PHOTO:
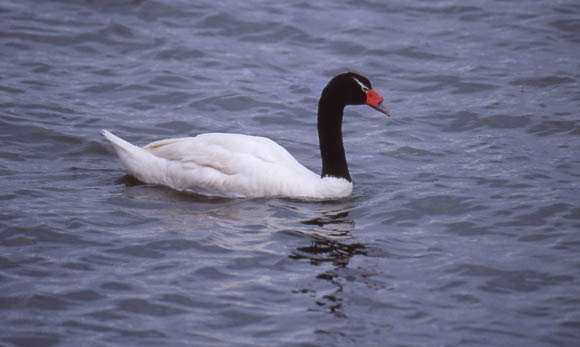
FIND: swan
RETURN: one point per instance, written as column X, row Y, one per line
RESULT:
column 236, row 165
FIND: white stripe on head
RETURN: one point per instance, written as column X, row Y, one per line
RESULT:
column 363, row 87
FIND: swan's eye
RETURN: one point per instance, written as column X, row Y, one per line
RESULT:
column 362, row 86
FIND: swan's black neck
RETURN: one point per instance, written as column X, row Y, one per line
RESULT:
column 330, row 112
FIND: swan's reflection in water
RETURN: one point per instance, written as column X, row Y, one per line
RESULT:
column 329, row 240
column 253, row 235
column 329, row 251
column 247, row 222
column 332, row 243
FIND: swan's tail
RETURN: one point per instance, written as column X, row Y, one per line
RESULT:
column 119, row 143
column 138, row 162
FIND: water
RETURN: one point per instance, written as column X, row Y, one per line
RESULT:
column 463, row 228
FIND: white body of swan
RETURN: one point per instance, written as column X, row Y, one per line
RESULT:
column 231, row 165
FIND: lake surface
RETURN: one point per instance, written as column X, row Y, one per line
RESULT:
column 463, row 228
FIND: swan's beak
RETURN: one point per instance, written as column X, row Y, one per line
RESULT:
column 375, row 100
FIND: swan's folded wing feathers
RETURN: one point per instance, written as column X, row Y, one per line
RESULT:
column 211, row 160
column 224, row 152
column 247, row 164
column 171, row 149
column 161, row 143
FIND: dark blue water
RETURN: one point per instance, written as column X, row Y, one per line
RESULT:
column 464, row 224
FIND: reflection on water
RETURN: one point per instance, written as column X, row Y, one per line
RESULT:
column 332, row 230
column 329, row 251
column 333, row 224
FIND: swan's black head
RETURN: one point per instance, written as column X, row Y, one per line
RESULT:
column 353, row 89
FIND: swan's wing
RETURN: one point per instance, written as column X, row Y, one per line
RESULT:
column 228, row 153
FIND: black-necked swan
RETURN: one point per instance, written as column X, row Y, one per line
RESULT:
column 236, row 165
